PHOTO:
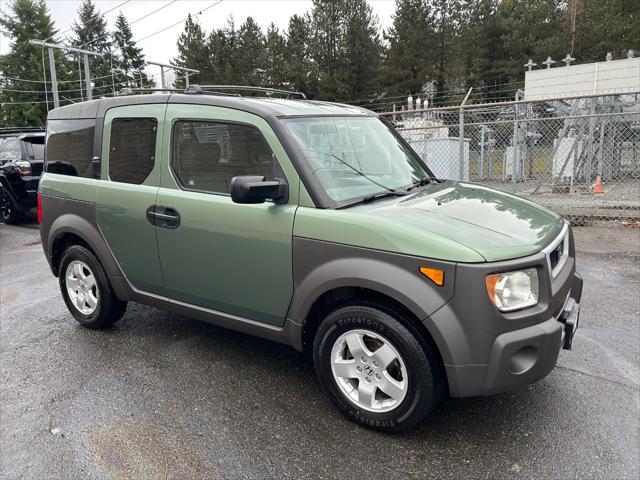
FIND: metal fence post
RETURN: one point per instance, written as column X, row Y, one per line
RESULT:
column 461, row 139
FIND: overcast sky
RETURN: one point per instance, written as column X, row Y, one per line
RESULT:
column 162, row 47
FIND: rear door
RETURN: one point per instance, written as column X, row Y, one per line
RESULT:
column 130, row 168
column 224, row 256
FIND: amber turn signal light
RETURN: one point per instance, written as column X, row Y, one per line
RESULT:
column 433, row 274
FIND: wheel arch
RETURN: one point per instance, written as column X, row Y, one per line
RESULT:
column 343, row 296
column 71, row 229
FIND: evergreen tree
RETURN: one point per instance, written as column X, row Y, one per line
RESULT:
column 23, row 103
column 250, row 54
column 328, row 27
column 274, row 62
column 362, row 50
column 410, row 39
column 443, row 57
column 130, row 57
column 90, row 33
column 192, row 53
column 222, row 45
column 603, row 26
column 299, row 65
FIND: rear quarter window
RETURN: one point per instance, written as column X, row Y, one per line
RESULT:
column 132, row 149
column 69, row 147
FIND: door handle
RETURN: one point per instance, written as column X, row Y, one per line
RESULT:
column 165, row 217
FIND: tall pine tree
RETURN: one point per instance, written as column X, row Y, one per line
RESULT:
column 90, row 33
column 23, row 102
column 327, row 47
column 222, row 44
column 274, row 60
column 299, row 64
column 130, row 57
column 192, row 53
column 250, row 54
column 362, row 51
column 410, row 38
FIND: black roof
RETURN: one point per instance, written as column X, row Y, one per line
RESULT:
column 261, row 106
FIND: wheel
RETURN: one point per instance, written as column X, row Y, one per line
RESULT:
column 8, row 210
column 86, row 289
column 375, row 370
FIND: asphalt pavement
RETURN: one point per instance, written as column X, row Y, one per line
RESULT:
column 163, row 396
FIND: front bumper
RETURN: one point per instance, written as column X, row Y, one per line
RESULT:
column 527, row 355
column 486, row 351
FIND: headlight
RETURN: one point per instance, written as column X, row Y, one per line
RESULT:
column 514, row 290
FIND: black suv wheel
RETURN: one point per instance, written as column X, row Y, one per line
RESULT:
column 375, row 369
column 8, row 211
column 86, row 289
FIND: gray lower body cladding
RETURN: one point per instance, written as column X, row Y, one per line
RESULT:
column 483, row 350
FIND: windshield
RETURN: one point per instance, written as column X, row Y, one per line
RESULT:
column 355, row 157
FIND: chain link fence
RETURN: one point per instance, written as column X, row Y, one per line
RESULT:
column 579, row 156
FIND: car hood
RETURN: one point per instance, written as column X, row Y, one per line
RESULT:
column 495, row 224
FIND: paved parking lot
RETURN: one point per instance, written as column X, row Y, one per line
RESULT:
column 161, row 396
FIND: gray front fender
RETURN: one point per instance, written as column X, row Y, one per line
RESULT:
column 320, row 267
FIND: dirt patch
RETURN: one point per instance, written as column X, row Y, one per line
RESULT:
column 130, row 448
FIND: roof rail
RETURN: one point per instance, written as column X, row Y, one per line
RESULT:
column 288, row 93
column 197, row 90
column 132, row 91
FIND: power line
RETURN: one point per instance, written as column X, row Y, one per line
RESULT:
column 131, row 23
column 179, row 22
column 106, row 12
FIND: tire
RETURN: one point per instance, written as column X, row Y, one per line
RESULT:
column 86, row 289
column 8, row 211
column 418, row 381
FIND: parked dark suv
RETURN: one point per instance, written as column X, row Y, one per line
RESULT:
column 21, row 162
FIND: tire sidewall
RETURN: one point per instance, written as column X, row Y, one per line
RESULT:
column 77, row 252
column 14, row 216
column 421, row 392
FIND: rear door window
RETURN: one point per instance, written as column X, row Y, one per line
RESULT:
column 69, row 147
column 132, row 149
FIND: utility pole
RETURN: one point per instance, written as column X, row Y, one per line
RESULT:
column 52, row 67
column 187, row 72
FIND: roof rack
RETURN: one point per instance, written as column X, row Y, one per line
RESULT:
column 215, row 90
column 288, row 93
column 197, row 90
column 132, row 91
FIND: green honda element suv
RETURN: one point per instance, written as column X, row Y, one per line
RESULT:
column 313, row 224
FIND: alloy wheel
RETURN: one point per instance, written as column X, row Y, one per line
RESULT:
column 81, row 287
column 369, row 370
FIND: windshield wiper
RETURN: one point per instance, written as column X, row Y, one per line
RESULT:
column 362, row 174
column 422, row 182
column 376, row 196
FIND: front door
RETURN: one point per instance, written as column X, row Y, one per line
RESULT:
column 132, row 145
column 215, row 253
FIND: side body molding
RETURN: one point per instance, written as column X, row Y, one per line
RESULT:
column 320, row 267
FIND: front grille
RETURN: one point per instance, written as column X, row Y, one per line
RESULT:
column 558, row 251
column 556, row 255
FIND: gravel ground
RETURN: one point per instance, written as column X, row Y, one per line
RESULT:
column 161, row 396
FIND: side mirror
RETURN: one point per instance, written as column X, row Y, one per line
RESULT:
column 255, row 189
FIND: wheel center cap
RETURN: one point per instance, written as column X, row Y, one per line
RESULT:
column 368, row 370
